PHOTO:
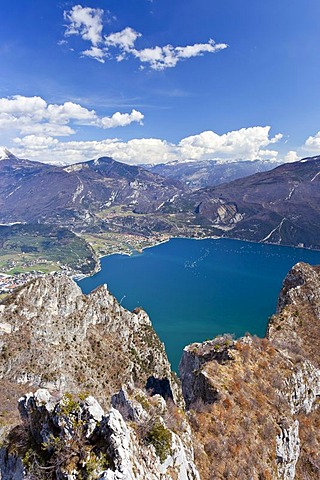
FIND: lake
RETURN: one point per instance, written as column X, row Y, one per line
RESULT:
column 196, row 289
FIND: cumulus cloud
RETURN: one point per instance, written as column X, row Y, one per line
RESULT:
column 124, row 40
column 121, row 119
column 136, row 151
column 36, row 142
column 291, row 156
column 244, row 144
column 312, row 143
column 33, row 115
column 88, row 24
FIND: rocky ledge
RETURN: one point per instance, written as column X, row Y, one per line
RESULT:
column 72, row 439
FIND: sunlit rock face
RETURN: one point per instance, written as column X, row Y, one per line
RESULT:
column 109, row 407
column 256, row 400
column 66, row 341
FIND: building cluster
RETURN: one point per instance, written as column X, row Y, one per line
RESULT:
column 9, row 282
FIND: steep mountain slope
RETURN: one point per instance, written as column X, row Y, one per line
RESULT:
column 210, row 172
column 281, row 206
column 103, row 200
column 35, row 192
column 54, row 336
column 256, row 401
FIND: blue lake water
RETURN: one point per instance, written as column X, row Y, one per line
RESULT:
column 196, row 289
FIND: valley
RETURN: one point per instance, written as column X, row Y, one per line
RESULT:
column 95, row 208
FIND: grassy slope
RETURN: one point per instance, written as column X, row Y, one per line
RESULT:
column 44, row 248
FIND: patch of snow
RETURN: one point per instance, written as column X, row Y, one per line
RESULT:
column 13, row 191
column 278, row 227
column 312, row 179
column 291, row 193
column 78, row 191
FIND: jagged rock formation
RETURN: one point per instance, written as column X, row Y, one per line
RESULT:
column 257, row 400
column 296, row 325
column 252, row 405
column 70, row 439
column 51, row 335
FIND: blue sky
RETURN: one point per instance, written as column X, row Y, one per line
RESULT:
column 156, row 81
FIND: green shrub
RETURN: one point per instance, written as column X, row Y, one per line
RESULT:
column 160, row 437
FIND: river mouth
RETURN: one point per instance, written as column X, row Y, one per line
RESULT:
column 194, row 290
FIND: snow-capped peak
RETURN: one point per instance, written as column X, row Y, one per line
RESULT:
column 5, row 154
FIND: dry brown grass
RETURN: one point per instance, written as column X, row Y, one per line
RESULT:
column 238, row 431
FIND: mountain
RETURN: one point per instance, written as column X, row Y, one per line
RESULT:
column 118, row 207
column 66, row 347
column 246, row 408
column 281, row 206
column 74, row 195
column 202, row 174
column 255, row 401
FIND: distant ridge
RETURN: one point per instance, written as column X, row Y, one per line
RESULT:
column 211, row 172
column 73, row 195
column 280, row 206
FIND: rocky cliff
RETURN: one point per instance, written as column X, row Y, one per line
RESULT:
column 254, row 403
column 53, row 336
column 74, row 346
column 103, row 403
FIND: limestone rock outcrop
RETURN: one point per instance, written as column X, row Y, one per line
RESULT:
column 109, row 406
column 257, row 400
column 71, row 439
column 58, row 338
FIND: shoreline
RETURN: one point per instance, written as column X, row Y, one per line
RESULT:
column 156, row 243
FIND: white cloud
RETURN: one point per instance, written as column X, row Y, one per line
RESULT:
column 46, row 128
column 136, row 151
column 36, row 142
column 22, row 105
column 291, row 156
column 199, row 48
column 312, row 143
column 68, row 111
column 32, row 115
column 243, row 144
column 97, row 53
column 124, row 40
column 160, row 58
column 268, row 154
column 87, row 23
column 121, row 119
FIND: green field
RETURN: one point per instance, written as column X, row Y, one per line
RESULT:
column 44, row 248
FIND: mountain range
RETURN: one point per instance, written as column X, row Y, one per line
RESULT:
column 206, row 173
column 33, row 191
column 278, row 206
column 111, row 200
